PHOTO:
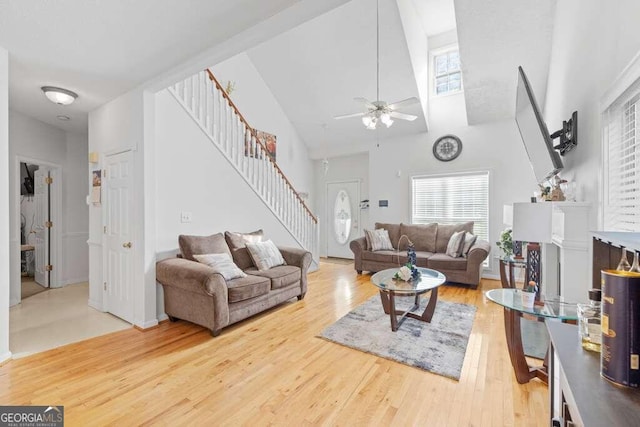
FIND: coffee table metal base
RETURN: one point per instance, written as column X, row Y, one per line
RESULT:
column 389, row 306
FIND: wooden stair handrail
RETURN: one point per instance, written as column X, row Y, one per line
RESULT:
column 262, row 146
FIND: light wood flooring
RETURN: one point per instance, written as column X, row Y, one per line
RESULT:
column 272, row 369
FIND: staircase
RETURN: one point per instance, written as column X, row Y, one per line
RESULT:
column 208, row 104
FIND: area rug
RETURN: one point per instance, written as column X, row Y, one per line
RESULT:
column 437, row 347
column 535, row 338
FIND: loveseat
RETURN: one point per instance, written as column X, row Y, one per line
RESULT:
column 197, row 293
column 430, row 242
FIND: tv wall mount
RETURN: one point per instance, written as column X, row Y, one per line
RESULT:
column 568, row 135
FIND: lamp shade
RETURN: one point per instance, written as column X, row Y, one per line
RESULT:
column 532, row 222
column 58, row 95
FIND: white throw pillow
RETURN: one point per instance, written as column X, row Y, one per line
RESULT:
column 222, row 264
column 469, row 240
column 378, row 240
column 456, row 242
column 265, row 255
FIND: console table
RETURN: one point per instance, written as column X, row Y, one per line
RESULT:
column 579, row 396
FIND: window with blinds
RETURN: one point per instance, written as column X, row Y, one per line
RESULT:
column 451, row 199
column 621, row 172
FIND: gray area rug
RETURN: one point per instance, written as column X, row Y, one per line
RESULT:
column 437, row 347
column 535, row 338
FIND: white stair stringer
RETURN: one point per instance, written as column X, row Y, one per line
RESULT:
column 214, row 113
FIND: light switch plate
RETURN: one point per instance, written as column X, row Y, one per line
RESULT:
column 185, row 217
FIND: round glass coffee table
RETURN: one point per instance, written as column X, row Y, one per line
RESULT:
column 429, row 280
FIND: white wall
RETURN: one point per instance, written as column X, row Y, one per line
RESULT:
column 260, row 108
column 4, row 207
column 45, row 144
column 495, row 147
column 193, row 176
column 118, row 126
column 586, row 57
column 75, row 209
column 345, row 168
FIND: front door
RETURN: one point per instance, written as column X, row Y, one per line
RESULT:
column 343, row 217
column 118, row 219
column 42, row 225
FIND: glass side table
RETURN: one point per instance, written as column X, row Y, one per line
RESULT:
column 507, row 270
column 511, row 300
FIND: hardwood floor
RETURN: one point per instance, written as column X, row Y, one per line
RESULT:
column 272, row 369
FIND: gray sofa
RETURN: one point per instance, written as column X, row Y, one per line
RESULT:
column 196, row 293
column 430, row 242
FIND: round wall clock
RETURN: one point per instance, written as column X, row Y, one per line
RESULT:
column 447, row 148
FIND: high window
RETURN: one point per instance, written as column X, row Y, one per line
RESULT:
column 621, row 151
column 452, row 199
column 448, row 78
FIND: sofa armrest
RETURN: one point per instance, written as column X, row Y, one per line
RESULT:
column 192, row 276
column 300, row 258
column 479, row 252
column 296, row 256
column 358, row 246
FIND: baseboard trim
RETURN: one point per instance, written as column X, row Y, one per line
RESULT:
column 490, row 276
column 94, row 304
column 13, row 301
column 5, row 357
column 75, row 281
column 163, row 317
column 145, row 326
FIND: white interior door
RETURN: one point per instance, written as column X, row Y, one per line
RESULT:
column 343, row 217
column 118, row 219
column 42, row 225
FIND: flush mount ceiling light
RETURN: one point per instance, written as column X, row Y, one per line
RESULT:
column 64, row 118
column 58, row 95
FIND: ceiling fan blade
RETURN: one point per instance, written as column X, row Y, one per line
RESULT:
column 402, row 116
column 347, row 116
column 366, row 102
column 404, row 103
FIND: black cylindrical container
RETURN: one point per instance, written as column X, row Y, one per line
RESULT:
column 620, row 356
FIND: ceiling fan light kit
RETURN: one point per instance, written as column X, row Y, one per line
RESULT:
column 379, row 111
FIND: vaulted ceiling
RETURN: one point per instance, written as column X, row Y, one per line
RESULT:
column 495, row 37
column 101, row 49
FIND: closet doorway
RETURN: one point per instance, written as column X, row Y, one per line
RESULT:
column 38, row 206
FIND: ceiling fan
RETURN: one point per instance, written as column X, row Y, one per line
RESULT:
column 381, row 111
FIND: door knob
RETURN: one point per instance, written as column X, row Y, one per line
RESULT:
column 126, row 245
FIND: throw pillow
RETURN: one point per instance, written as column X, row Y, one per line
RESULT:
column 456, row 242
column 379, row 240
column 469, row 240
column 237, row 244
column 222, row 264
column 265, row 255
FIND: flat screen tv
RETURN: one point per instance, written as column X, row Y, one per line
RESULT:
column 545, row 160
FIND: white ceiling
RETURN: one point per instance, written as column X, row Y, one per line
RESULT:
column 101, row 49
column 316, row 69
column 495, row 37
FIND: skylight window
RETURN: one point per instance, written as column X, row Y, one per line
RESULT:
column 448, row 77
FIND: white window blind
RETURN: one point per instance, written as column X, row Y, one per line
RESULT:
column 452, row 199
column 621, row 143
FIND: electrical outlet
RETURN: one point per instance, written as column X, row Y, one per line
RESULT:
column 185, row 217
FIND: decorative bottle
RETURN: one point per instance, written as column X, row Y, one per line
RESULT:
column 635, row 267
column 589, row 318
column 623, row 265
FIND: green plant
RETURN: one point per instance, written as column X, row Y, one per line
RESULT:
column 506, row 243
